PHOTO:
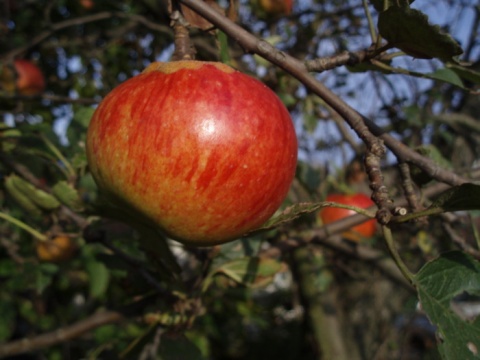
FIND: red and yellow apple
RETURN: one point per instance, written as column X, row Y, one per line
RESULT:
column 30, row 79
column 331, row 214
column 203, row 151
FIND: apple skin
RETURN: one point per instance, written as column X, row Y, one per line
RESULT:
column 330, row 214
column 30, row 79
column 203, row 151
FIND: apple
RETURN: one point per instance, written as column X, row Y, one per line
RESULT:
column 276, row 7
column 30, row 79
column 203, row 151
column 331, row 214
column 58, row 249
column 87, row 4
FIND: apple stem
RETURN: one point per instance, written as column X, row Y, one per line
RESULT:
column 387, row 234
column 37, row 235
column 183, row 47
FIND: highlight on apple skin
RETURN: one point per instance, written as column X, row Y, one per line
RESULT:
column 203, row 151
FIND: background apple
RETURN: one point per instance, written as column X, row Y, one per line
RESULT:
column 331, row 214
column 87, row 4
column 30, row 79
column 276, row 7
column 203, row 151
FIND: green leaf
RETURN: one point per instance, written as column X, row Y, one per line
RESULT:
column 438, row 283
column 45, row 273
column 8, row 137
column 458, row 198
column 409, row 30
column 446, row 75
column 67, row 195
column 83, row 115
column 99, row 278
column 39, row 197
column 161, row 255
column 433, row 153
column 289, row 214
column 178, row 347
column 224, row 50
column 24, row 201
column 244, row 247
column 465, row 73
column 7, row 314
column 134, row 349
column 248, row 271
column 7, row 267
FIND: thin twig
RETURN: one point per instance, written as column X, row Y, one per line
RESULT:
column 460, row 241
column 408, row 187
column 54, row 28
column 345, row 58
column 389, row 241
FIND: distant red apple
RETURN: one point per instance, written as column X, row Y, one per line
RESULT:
column 87, row 4
column 276, row 7
column 202, row 150
column 331, row 214
column 30, row 79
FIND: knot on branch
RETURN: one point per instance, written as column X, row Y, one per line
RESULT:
column 380, row 192
column 266, row 49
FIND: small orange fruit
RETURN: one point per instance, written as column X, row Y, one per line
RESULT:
column 58, row 249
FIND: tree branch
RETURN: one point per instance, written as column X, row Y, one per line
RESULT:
column 60, row 335
column 366, row 129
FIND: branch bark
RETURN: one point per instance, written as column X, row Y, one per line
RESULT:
column 60, row 335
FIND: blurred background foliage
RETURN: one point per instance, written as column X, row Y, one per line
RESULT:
column 257, row 297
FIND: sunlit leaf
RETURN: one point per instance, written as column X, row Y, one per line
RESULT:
column 249, row 271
